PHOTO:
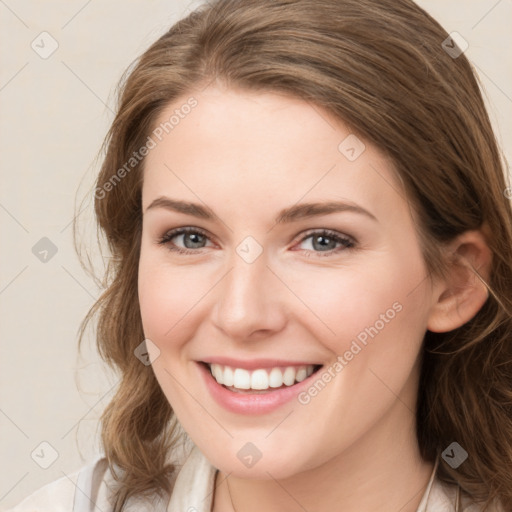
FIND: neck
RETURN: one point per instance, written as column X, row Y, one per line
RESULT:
column 383, row 466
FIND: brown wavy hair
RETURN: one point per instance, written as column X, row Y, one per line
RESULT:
column 380, row 67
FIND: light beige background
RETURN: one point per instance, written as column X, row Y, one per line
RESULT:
column 54, row 115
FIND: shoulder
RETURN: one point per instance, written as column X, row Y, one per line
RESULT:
column 70, row 492
column 91, row 489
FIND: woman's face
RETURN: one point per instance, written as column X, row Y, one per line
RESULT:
column 300, row 251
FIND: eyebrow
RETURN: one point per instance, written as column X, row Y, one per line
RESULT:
column 291, row 214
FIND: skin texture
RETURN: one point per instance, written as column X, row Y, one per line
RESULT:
column 246, row 156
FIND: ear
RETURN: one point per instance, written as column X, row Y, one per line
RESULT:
column 459, row 297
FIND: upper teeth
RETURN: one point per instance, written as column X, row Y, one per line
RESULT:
column 260, row 378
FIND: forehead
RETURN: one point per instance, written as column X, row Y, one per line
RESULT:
column 244, row 147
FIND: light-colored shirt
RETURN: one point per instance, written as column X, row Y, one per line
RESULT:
column 90, row 490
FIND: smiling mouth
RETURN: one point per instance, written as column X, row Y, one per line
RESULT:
column 260, row 380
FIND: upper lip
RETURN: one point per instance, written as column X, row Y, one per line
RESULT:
column 254, row 364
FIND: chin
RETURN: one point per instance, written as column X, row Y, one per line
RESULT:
column 271, row 464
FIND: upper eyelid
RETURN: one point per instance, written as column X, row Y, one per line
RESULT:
column 329, row 232
column 171, row 233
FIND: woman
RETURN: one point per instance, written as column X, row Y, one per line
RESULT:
column 311, row 277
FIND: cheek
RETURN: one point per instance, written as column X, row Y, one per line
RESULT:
column 378, row 299
column 379, row 320
column 166, row 295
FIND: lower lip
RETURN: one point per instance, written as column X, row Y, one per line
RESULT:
column 246, row 403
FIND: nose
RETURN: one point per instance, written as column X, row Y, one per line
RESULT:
column 250, row 301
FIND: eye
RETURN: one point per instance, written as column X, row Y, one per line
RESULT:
column 185, row 240
column 189, row 240
column 326, row 242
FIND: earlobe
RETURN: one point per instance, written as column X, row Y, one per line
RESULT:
column 464, row 291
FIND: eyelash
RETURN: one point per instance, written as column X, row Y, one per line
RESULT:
column 346, row 242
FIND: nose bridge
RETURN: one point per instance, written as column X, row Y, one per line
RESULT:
column 248, row 300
